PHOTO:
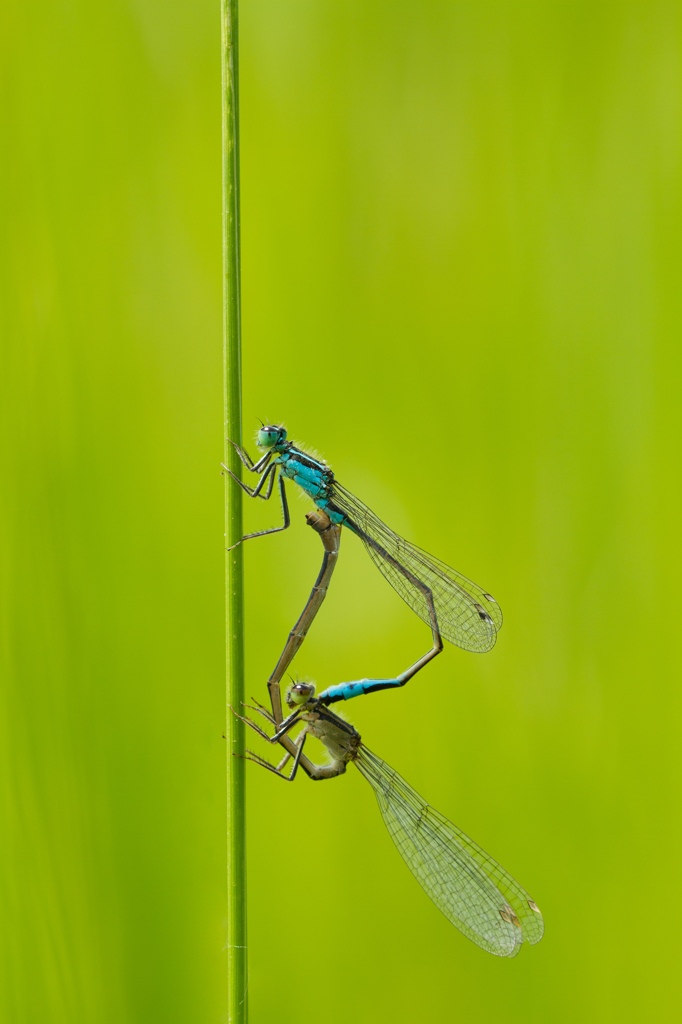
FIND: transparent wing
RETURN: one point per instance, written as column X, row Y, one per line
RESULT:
column 467, row 615
column 468, row 886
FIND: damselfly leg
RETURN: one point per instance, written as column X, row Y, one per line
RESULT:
column 268, row 475
column 253, row 493
column 311, row 771
column 253, row 467
column 296, row 744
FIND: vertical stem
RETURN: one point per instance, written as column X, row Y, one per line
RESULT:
column 236, row 860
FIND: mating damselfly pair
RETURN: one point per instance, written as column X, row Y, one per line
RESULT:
column 474, row 892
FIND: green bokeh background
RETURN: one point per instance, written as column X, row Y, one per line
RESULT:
column 461, row 261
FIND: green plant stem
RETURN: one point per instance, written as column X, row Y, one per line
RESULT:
column 234, row 573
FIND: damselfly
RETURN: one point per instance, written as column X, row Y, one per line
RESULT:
column 451, row 604
column 476, row 895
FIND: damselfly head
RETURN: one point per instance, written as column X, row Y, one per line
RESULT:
column 299, row 693
column 269, row 436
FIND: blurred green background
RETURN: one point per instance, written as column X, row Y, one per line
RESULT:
column 461, row 260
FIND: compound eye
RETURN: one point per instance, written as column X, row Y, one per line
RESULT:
column 301, row 692
column 267, row 436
